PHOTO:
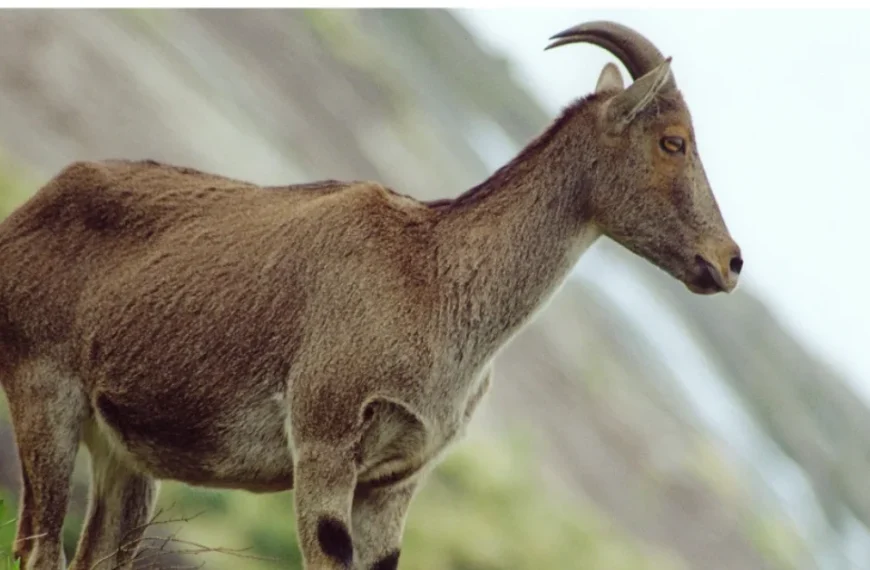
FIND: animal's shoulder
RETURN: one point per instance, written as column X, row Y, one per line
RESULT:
column 360, row 193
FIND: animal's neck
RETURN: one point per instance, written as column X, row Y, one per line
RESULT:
column 507, row 245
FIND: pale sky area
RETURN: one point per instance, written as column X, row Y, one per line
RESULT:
column 778, row 100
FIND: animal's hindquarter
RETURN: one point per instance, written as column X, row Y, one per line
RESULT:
column 187, row 368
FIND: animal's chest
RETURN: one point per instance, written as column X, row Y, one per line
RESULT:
column 451, row 412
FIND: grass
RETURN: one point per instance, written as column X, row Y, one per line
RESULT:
column 7, row 532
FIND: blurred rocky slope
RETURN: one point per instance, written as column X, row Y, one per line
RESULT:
column 410, row 99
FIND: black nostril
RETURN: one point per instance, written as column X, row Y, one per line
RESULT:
column 736, row 264
column 705, row 280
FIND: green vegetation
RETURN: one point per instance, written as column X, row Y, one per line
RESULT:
column 15, row 186
column 7, row 532
column 485, row 509
column 482, row 509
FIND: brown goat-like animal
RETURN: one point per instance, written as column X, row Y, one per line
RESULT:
column 334, row 337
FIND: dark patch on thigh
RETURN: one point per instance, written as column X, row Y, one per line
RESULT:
column 388, row 562
column 166, row 425
column 335, row 540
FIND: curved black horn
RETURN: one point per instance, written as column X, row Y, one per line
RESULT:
column 636, row 53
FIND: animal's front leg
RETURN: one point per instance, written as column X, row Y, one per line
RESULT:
column 325, row 480
column 378, row 522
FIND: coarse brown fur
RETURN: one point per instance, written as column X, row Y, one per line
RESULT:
column 333, row 337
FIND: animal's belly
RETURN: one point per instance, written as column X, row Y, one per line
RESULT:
column 241, row 448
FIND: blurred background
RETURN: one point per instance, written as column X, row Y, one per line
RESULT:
column 632, row 425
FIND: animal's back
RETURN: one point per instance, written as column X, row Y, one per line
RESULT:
column 101, row 229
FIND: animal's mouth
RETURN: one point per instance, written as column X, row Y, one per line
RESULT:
column 707, row 280
column 701, row 287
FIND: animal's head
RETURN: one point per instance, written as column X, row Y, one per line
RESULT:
column 653, row 197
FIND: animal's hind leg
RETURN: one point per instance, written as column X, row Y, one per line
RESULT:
column 47, row 413
column 120, row 504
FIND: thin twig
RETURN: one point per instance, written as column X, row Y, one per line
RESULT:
column 149, row 549
column 31, row 537
column 7, row 523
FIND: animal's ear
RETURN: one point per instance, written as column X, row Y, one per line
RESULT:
column 610, row 79
column 622, row 109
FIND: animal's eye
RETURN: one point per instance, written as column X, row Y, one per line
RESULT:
column 673, row 145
